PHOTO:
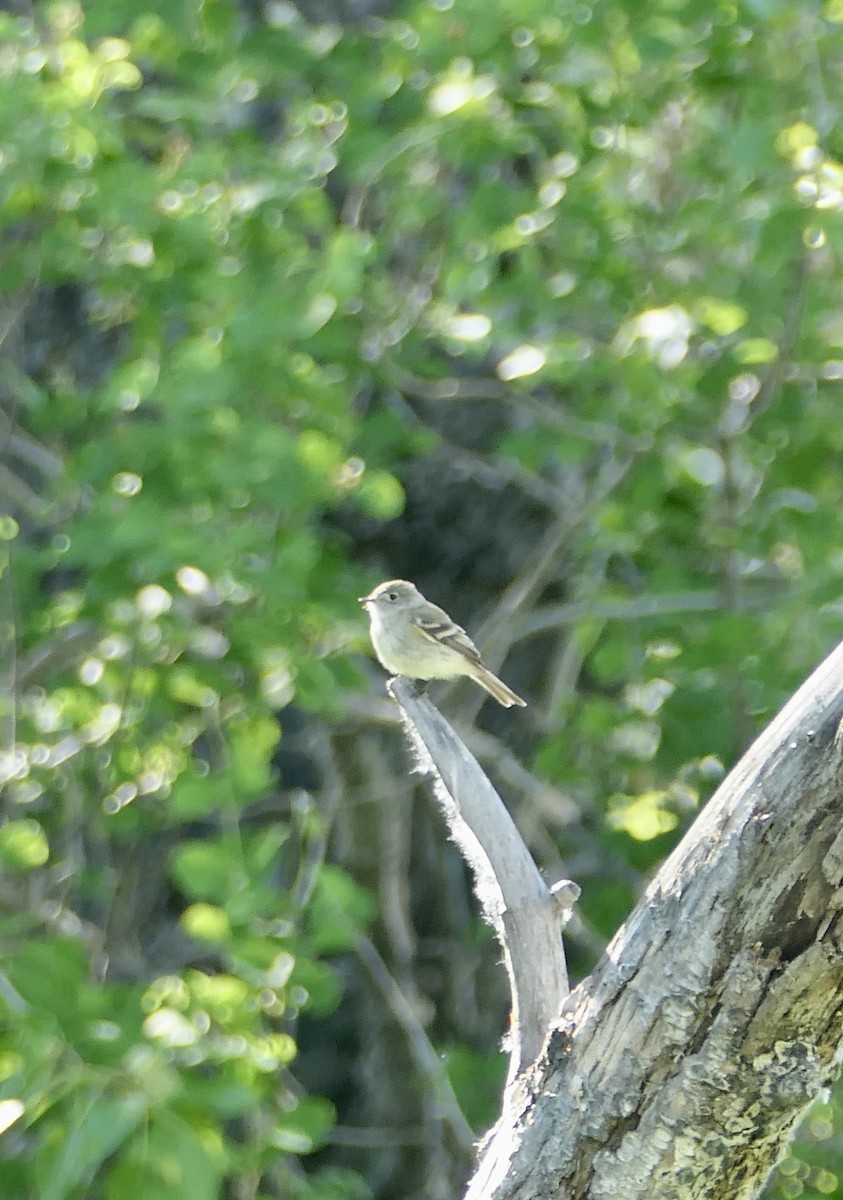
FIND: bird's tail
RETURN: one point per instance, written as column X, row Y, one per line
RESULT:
column 496, row 687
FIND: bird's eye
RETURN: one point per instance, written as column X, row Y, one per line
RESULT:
column 392, row 596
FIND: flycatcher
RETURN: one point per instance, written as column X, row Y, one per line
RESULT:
column 413, row 637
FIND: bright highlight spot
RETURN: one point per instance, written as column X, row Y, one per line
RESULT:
column 665, row 331
column 23, row 845
column 171, row 1028
column 10, row 1111
column 126, row 483
column 91, row 671
column 319, row 312
column 523, row 360
column 721, row 316
column 562, row 284
column 650, row 696
column 103, row 725
column 468, row 327
column 455, row 92
column 152, row 601
column 704, row 465
column 193, row 581
column 552, row 192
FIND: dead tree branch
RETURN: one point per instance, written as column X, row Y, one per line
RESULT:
column 527, row 915
column 682, row 1066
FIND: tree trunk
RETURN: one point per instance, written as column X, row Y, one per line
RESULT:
column 681, row 1067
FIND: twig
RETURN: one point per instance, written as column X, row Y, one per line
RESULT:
column 794, row 306
column 487, row 748
column 497, row 632
column 394, row 853
column 572, row 651
column 352, row 209
column 21, row 494
column 545, row 795
column 314, row 833
column 498, row 627
column 9, row 662
column 56, row 653
column 492, row 470
column 635, row 608
column 26, row 450
column 468, row 389
column 733, row 596
column 372, row 1138
column 424, row 1053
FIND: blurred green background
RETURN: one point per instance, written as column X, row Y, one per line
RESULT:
column 536, row 304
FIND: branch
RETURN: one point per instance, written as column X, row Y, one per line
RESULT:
column 497, row 632
column 527, row 915
column 547, row 412
column 423, row 1052
column 637, row 608
column 682, row 1066
column 53, row 654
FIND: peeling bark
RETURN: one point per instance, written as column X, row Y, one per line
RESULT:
column 680, row 1068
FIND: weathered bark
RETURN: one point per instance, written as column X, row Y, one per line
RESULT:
column 526, row 915
column 681, row 1067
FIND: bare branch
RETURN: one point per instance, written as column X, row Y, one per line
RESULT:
column 459, row 389
column 17, row 492
column 423, row 1052
column 546, row 797
column 636, row 608
column 56, row 653
column 527, row 916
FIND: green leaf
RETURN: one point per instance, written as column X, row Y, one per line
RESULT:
column 83, row 1135
column 50, row 973
column 381, row 495
column 206, row 923
column 339, row 912
column 208, row 870
column 305, row 1128
column 477, row 1080
column 23, row 845
column 643, row 817
column 173, row 1159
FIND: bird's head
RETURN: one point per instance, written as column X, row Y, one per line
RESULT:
column 389, row 593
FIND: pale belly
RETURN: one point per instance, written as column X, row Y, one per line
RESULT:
column 414, row 655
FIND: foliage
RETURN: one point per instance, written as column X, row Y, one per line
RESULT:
column 466, row 292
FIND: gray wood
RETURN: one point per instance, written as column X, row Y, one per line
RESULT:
column 680, row 1068
column 527, row 915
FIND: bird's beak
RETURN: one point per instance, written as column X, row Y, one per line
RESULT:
column 364, row 599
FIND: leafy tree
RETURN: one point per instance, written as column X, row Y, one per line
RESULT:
column 538, row 306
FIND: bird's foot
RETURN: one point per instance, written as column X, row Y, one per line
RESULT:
column 419, row 686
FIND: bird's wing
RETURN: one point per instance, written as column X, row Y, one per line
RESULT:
column 441, row 629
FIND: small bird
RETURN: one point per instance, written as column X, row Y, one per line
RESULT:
column 413, row 637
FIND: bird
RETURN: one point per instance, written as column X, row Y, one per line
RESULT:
column 416, row 638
